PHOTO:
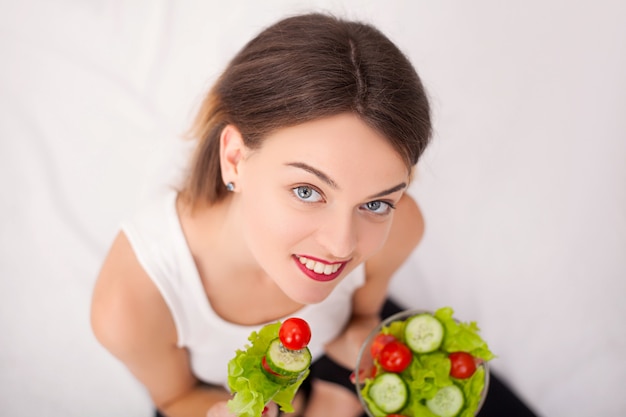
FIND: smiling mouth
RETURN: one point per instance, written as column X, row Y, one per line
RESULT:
column 319, row 271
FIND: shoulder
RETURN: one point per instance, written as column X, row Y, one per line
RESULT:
column 127, row 309
column 408, row 226
column 407, row 230
column 132, row 321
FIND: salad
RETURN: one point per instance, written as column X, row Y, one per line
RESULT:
column 425, row 365
column 271, row 368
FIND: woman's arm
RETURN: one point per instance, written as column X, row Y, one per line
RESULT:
column 131, row 320
column 406, row 231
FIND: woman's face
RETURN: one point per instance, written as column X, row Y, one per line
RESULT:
column 316, row 200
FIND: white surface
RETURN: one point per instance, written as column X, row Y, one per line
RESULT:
column 523, row 189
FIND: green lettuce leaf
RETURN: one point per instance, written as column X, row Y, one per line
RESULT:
column 371, row 405
column 462, row 336
column 472, row 389
column 251, row 388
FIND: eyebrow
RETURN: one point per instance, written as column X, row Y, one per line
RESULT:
column 319, row 174
column 322, row 176
column 391, row 190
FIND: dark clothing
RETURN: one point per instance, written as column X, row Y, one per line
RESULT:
column 501, row 401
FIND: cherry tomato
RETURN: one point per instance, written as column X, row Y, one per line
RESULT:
column 294, row 333
column 380, row 340
column 462, row 365
column 395, row 356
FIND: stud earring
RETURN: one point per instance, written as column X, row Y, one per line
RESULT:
column 230, row 186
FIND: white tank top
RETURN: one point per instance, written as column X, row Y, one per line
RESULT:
column 157, row 239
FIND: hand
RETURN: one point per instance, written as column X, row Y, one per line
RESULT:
column 365, row 366
column 220, row 409
column 271, row 410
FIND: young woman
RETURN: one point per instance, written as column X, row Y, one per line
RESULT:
column 295, row 205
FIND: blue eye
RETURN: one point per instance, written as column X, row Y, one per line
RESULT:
column 307, row 194
column 378, row 207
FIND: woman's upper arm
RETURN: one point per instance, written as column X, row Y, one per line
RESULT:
column 406, row 232
column 131, row 320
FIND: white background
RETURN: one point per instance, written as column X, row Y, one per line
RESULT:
column 523, row 188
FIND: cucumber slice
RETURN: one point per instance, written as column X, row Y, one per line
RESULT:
column 275, row 377
column 287, row 362
column 423, row 333
column 389, row 392
column 447, row 402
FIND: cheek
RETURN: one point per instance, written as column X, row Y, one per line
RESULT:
column 372, row 237
column 272, row 224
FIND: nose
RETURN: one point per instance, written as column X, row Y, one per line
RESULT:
column 339, row 235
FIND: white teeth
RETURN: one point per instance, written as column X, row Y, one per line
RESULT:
column 319, row 267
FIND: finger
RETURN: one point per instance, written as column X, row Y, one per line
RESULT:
column 219, row 410
column 270, row 410
column 363, row 375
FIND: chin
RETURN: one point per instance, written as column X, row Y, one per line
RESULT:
column 302, row 296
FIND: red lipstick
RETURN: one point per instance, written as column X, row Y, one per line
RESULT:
column 314, row 275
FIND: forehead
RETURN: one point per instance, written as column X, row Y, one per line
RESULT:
column 342, row 146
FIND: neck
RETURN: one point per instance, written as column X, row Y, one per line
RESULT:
column 216, row 241
column 237, row 288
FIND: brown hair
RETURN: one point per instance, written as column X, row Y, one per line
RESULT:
column 304, row 68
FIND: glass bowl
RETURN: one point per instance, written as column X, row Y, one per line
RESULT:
column 365, row 364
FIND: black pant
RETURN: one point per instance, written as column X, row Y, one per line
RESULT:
column 501, row 400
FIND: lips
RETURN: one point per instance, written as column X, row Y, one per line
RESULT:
column 318, row 270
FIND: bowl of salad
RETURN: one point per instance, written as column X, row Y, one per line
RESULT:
column 418, row 363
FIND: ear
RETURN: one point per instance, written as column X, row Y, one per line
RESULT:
column 232, row 151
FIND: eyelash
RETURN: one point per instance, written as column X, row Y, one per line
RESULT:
column 296, row 193
column 389, row 205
